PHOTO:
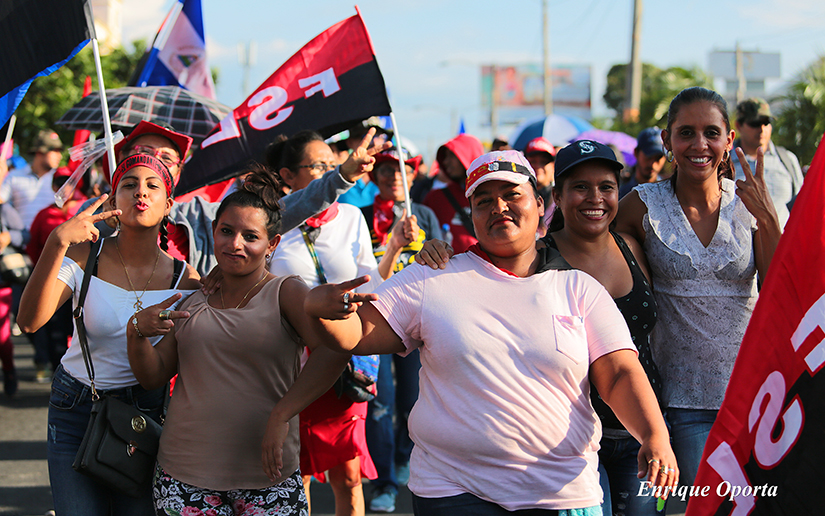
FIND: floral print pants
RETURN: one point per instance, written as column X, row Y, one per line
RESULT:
column 174, row 498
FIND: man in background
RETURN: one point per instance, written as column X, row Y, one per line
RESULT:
column 783, row 175
column 650, row 160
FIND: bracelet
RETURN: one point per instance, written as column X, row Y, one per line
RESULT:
column 134, row 323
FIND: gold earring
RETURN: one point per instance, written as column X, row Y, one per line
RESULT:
column 669, row 156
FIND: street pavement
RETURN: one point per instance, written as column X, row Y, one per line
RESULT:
column 24, row 475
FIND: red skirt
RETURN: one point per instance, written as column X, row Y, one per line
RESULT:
column 333, row 431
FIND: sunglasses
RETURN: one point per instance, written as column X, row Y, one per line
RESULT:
column 166, row 158
column 758, row 123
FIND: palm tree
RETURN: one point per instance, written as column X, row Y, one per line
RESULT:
column 800, row 123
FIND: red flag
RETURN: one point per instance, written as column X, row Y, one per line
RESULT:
column 81, row 135
column 766, row 451
column 329, row 85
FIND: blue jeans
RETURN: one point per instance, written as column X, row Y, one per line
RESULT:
column 469, row 505
column 618, row 466
column 69, row 407
column 387, row 436
column 689, row 429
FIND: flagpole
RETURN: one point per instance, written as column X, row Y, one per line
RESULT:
column 402, row 165
column 160, row 42
column 104, row 105
column 12, row 121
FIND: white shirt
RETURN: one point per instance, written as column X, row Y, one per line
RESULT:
column 27, row 193
column 107, row 312
column 344, row 248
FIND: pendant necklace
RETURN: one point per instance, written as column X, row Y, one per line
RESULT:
column 138, row 303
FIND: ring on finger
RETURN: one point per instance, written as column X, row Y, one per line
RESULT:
column 652, row 461
column 165, row 314
column 346, row 300
column 671, row 470
column 663, row 470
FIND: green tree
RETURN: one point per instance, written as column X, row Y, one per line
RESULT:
column 658, row 89
column 800, row 123
column 49, row 97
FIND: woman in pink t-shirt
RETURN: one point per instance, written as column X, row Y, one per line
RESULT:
column 503, row 421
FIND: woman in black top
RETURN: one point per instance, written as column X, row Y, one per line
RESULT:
column 586, row 196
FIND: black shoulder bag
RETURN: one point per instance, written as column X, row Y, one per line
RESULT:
column 120, row 446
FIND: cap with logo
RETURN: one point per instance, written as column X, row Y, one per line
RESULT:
column 753, row 110
column 508, row 165
column 649, row 141
column 581, row 151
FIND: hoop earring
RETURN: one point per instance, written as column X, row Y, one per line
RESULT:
column 117, row 228
column 726, row 156
column 669, row 156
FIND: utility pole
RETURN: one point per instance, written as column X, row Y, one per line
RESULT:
column 548, row 72
column 246, row 56
column 494, row 103
column 740, row 75
column 634, row 70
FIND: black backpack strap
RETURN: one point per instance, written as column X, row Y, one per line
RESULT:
column 91, row 264
column 465, row 219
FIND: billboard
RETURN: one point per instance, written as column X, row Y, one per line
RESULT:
column 518, row 90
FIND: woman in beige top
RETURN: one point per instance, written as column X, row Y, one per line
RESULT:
column 230, row 439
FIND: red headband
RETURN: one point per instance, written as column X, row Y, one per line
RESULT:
column 143, row 160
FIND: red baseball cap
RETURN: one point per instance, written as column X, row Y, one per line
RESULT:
column 392, row 155
column 540, row 144
column 181, row 141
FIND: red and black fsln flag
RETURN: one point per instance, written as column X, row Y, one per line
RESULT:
column 329, row 85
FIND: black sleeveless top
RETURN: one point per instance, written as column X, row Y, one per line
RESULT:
column 639, row 310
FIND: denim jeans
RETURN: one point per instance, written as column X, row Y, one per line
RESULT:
column 618, row 467
column 689, row 429
column 387, row 436
column 69, row 407
column 470, row 505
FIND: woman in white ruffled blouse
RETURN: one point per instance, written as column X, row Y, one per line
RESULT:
column 706, row 238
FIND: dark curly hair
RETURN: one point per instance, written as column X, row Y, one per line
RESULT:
column 261, row 189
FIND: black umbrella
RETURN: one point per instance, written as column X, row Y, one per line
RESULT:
column 187, row 112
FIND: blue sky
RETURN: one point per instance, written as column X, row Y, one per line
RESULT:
column 430, row 51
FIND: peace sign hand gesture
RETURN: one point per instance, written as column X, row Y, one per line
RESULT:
column 361, row 160
column 81, row 227
column 753, row 191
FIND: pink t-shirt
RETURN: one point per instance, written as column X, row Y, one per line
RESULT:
column 504, row 407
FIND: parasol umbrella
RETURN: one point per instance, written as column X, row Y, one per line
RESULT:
column 559, row 129
column 621, row 141
column 187, row 112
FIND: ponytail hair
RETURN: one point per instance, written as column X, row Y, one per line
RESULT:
column 262, row 189
column 164, row 233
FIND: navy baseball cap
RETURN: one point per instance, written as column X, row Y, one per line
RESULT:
column 581, row 151
column 649, row 141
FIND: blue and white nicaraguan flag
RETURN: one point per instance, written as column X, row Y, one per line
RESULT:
column 178, row 54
